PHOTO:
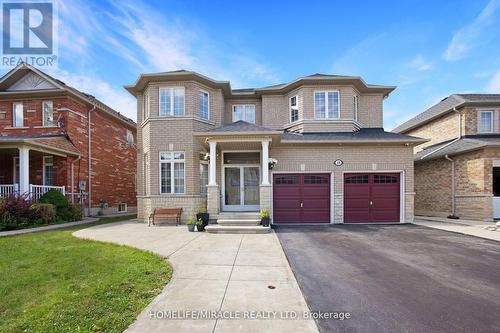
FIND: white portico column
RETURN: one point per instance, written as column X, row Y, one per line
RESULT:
column 212, row 187
column 24, row 170
column 265, row 163
column 265, row 186
column 212, row 163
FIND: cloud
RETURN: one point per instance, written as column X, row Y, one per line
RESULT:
column 420, row 64
column 140, row 39
column 119, row 100
column 494, row 84
column 469, row 35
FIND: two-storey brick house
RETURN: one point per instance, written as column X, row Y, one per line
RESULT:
column 457, row 172
column 54, row 136
column 309, row 151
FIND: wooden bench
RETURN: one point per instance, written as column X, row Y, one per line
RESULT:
column 165, row 212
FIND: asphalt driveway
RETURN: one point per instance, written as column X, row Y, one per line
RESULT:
column 403, row 278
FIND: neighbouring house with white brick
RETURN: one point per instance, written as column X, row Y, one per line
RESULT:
column 309, row 151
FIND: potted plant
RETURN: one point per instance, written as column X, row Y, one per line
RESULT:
column 191, row 223
column 199, row 225
column 264, row 218
column 203, row 215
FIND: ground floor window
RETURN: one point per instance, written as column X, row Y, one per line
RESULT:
column 48, row 170
column 203, row 177
column 122, row 207
column 172, row 172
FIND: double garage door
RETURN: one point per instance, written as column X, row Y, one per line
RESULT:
column 305, row 198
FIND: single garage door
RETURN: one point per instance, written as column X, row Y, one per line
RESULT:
column 371, row 197
column 301, row 198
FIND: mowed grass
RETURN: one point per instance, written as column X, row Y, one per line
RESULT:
column 54, row 282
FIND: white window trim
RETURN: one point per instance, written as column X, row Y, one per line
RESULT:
column 172, row 113
column 14, row 124
column 208, row 104
column 325, row 92
column 45, row 157
column 172, row 174
column 244, row 105
column 492, row 112
column 44, row 123
column 296, row 107
column 124, row 205
column 127, row 136
column 355, row 106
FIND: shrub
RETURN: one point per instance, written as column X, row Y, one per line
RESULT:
column 76, row 212
column 264, row 214
column 61, row 203
column 46, row 212
column 15, row 213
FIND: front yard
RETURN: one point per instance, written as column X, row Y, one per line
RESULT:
column 53, row 282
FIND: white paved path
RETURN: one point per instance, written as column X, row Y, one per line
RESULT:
column 219, row 272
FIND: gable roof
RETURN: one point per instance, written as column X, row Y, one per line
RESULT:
column 457, row 146
column 183, row 75
column 9, row 84
column 447, row 105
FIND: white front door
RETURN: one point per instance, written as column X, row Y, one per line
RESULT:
column 241, row 188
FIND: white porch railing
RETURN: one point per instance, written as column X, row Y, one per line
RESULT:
column 8, row 189
column 36, row 191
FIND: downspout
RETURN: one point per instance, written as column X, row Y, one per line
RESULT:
column 453, row 210
column 89, row 156
column 73, row 179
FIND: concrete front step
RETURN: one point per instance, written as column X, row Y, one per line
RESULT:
column 238, row 222
column 237, row 229
column 237, row 216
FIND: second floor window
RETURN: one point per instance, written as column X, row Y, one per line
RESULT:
column 48, row 114
column 17, row 115
column 171, row 101
column 129, row 136
column 245, row 112
column 294, row 109
column 203, row 104
column 485, row 121
column 326, row 105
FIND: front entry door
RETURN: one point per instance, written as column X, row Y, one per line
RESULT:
column 241, row 192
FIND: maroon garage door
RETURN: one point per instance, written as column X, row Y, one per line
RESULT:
column 371, row 197
column 301, row 198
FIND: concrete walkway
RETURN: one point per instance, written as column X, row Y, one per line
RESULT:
column 486, row 230
column 226, row 273
column 48, row 227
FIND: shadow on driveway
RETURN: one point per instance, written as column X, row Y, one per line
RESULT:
column 398, row 278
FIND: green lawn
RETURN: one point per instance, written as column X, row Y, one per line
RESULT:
column 53, row 282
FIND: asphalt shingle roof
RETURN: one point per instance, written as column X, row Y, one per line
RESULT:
column 241, row 126
column 364, row 134
column 454, row 147
column 445, row 106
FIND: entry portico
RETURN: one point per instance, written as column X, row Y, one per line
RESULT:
column 240, row 151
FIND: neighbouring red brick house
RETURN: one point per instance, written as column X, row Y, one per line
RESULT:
column 45, row 143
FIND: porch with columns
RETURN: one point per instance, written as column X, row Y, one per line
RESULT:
column 32, row 171
column 214, row 188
